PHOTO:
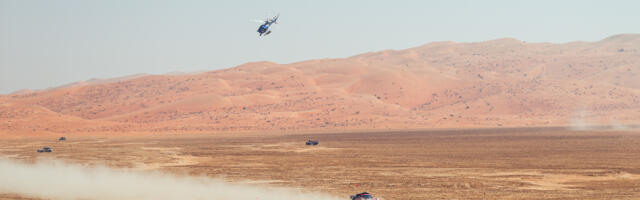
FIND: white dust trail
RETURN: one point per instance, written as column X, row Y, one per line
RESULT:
column 52, row 179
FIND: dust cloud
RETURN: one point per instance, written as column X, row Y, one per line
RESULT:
column 583, row 120
column 52, row 179
column 578, row 121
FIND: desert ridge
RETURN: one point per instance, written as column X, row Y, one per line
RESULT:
column 497, row 83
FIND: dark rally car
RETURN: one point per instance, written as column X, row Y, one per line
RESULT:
column 363, row 196
column 312, row 142
column 44, row 149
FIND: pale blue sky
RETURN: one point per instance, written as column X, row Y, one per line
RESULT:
column 46, row 43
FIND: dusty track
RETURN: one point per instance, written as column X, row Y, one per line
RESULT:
column 527, row 163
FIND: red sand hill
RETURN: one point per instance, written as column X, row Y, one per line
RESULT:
column 502, row 82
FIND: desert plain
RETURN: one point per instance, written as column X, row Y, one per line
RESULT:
column 503, row 163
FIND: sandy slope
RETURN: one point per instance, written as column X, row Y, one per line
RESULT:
column 502, row 82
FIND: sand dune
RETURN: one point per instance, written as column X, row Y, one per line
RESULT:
column 504, row 82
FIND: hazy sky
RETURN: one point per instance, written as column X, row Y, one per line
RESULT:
column 45, row 43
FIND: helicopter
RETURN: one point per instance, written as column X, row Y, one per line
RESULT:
column 264, row 28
